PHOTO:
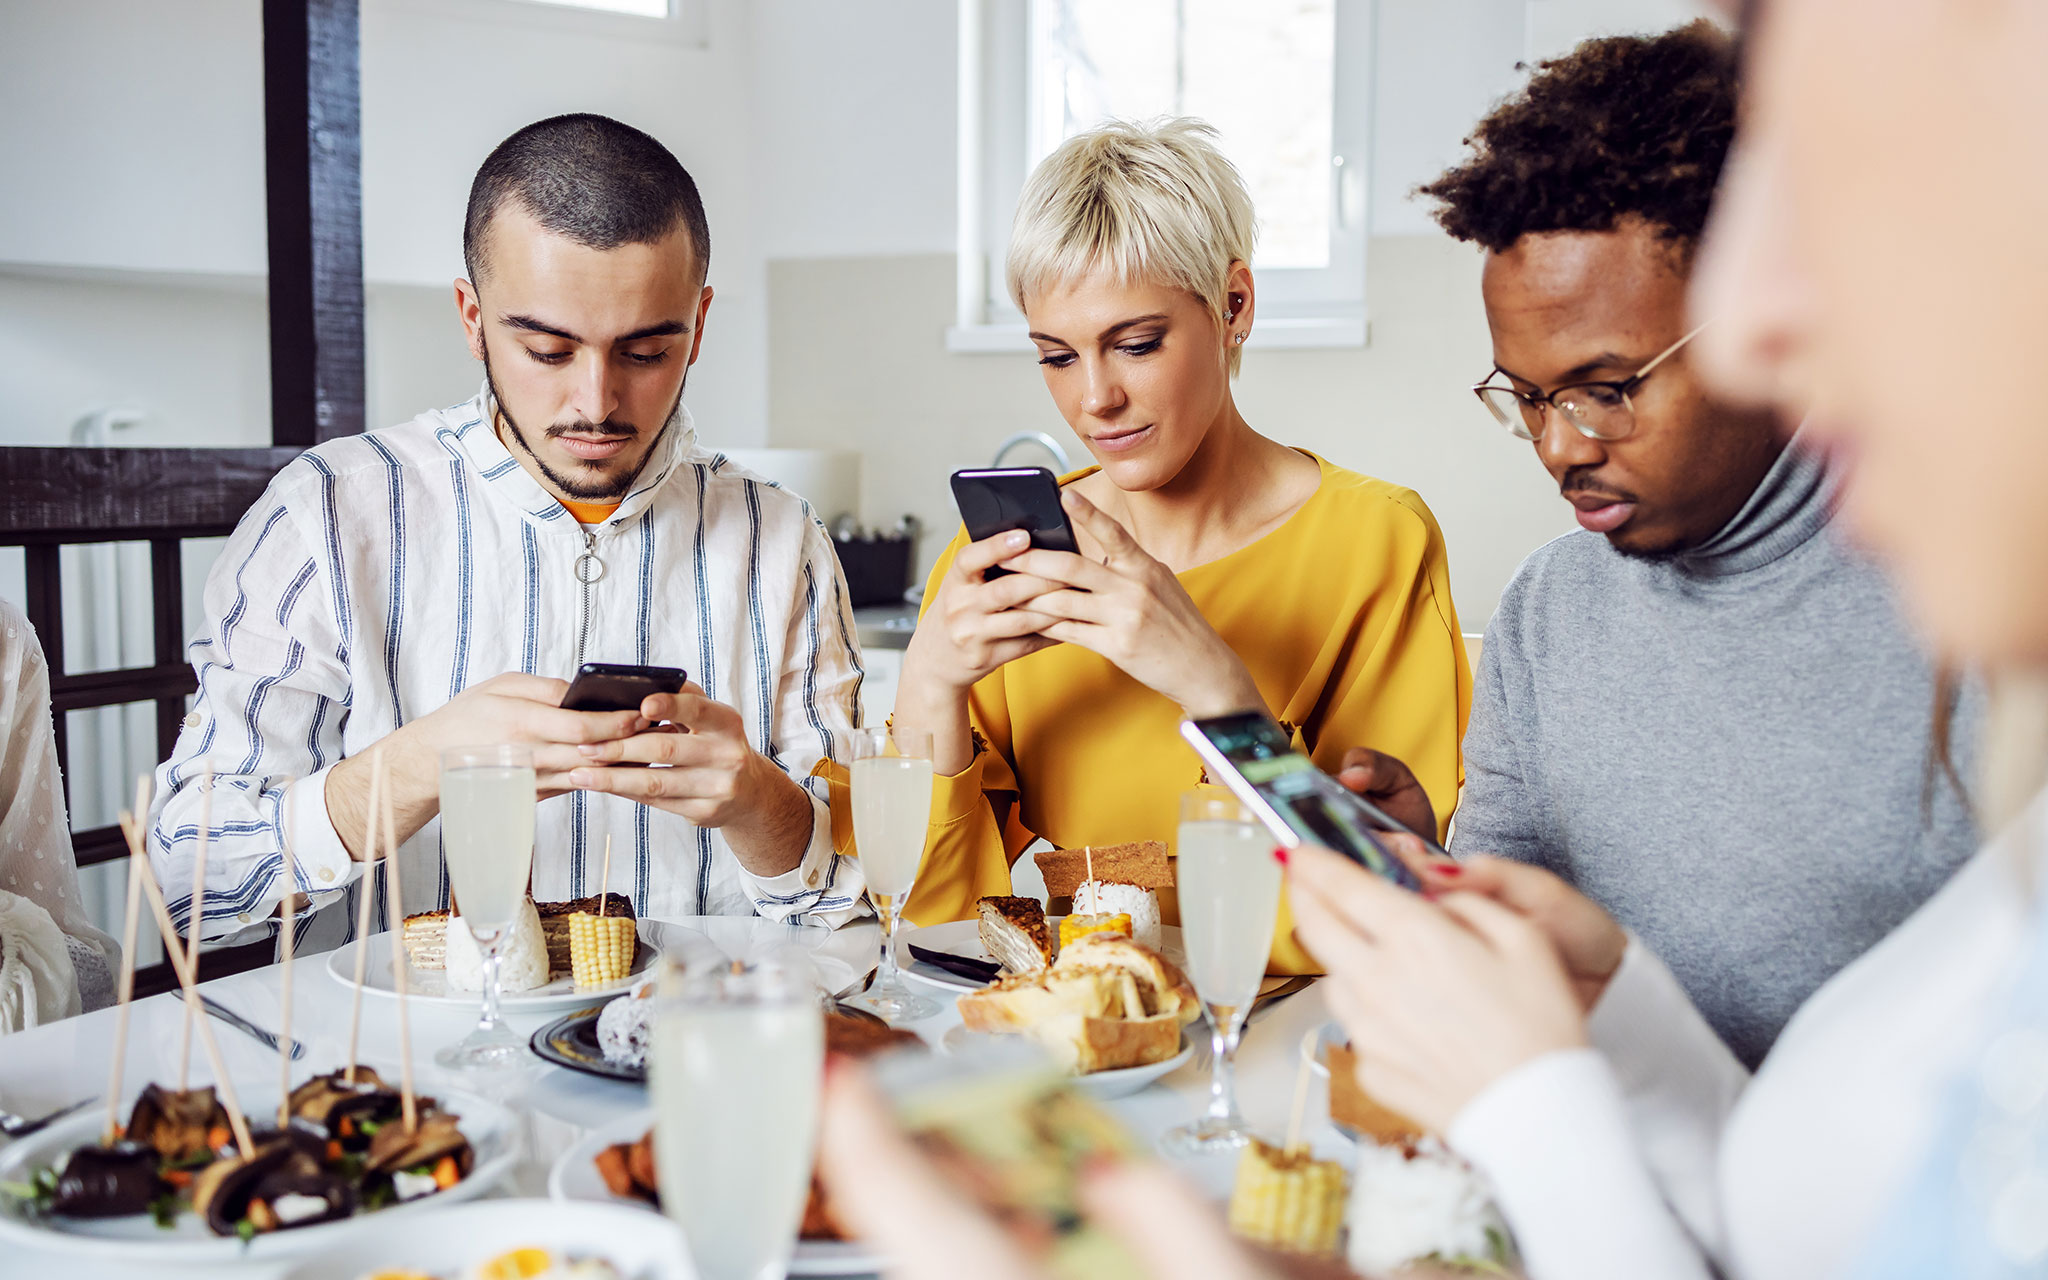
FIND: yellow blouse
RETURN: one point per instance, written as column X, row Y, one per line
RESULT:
column 1344, row 617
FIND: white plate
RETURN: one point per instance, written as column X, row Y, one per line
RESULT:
column 575, row 1179
column 1102, row 1085
column 493, row 1134
column 963, row 938
column 643, row 1246
column 430, row 986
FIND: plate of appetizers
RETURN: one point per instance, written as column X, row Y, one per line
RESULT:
column 966, row 940
column 1102, row 1084
column 177, row 1188
column 510, row 1238
column 1112, row 888
column 621, row 1155
column 536, row 969
column 1109, row 1011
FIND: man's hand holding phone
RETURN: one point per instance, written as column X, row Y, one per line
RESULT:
column 713, row 777
column 511, row 708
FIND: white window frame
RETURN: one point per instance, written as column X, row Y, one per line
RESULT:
column 687, row 24
column 1298, row 307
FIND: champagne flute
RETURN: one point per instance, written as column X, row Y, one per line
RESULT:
column 487, row 800
column 1229, row 888
column 736, row 1075
column 891, row 771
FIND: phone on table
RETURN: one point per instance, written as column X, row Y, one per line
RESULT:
column 1251, row 754
column 619, row 686
column 1000, row 499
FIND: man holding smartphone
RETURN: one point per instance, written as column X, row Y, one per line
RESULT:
column 1664, row 697
column 429, row 586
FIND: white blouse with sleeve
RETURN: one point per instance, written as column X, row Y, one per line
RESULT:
column 1649, row 1159
column 35, row 840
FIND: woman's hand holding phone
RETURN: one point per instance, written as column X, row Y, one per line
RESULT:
column 1441, row 997
column 981, row 623
column 1133, row 611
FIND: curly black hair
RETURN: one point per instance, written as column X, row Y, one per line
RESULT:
column 1620, row 126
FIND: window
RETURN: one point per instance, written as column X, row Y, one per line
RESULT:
column 1285, row 83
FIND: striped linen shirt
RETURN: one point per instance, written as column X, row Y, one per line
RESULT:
column 379, row 575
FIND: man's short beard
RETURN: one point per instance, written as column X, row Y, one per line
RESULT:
column 603, row 490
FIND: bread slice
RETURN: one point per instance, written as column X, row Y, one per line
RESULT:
column 1015, row 932
column 1140, row 862
column 1160, row 983
column 1106, row 1003
column 426, row 940
column 1022, row 1001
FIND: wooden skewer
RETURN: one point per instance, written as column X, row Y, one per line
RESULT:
column 198, row 918
column 394, row 920
column 606, row 883
column 1088, row 856
column 126, row 992
column 183, row 966
column 284, row 1040
column 365, row 889
column 1300, row 1097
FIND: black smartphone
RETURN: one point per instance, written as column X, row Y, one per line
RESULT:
column 618, row 686
column 1000, row 499
column 1252, row 755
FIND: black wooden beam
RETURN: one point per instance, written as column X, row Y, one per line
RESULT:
column 61, row 495
column 313, row 147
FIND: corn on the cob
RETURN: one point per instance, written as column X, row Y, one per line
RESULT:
column 1072, row 927
column 1288, row 1200
column 600, row 948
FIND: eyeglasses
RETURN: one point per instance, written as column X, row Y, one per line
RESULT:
column 1596, row 410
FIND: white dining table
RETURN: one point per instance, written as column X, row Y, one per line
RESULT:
column 50, row 1066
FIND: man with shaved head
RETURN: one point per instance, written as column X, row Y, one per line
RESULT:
column 1666, row 699
column 436, row 584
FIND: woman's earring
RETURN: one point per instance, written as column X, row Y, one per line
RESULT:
column 1240, row 339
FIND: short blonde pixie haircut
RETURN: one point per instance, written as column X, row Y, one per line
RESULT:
column 1154, row 201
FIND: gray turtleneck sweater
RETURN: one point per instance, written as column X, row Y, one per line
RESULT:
column 1728, row 750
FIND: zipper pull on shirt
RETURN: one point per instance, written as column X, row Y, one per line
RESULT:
column 589, row 569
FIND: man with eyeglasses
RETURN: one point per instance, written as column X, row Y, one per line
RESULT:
column 1702, row 710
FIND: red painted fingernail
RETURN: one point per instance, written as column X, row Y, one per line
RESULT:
column 1447, row 869
column 1280, row 855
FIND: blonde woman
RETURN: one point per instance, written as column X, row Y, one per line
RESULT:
column 1220, row 569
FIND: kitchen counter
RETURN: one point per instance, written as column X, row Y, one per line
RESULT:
column 885, row 626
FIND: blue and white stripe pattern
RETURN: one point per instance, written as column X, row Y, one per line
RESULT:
column 380, row 575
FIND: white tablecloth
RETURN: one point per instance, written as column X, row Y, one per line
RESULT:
column 50, row 1066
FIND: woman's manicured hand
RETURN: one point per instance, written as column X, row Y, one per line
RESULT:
column 1441, row 998
column 1588, row 941
column 1132, row 610
column 976, row 624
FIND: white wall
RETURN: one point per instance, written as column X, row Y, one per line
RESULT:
column 134, row 143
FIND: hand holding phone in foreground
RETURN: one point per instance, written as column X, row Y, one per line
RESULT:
column 927, row 1207
column 1441, row 997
